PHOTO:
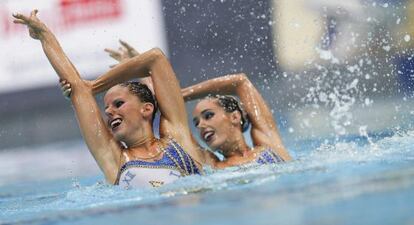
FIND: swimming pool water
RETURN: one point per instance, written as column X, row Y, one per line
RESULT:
column 340, row 182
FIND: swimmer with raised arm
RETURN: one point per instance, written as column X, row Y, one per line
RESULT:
column 221, row 121
column 124, row 145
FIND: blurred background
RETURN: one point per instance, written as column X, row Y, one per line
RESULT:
column 328, row 69
column 338, row 76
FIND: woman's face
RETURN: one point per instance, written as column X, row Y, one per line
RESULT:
column 213, row 123
column 124, row 113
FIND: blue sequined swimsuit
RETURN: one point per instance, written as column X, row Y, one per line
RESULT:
column 174, row 163
column 268, row 156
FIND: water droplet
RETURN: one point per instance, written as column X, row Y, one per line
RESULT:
column 407, row 38
column 368, row 101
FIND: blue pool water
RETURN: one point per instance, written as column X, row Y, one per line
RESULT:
column 350, row 181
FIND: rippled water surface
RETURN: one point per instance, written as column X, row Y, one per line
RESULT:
column 343, row 182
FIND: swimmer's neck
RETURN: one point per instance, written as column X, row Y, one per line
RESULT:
column 141, row 138
column 237, row 148
column 143, row 142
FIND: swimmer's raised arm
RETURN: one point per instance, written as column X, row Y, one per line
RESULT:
column 125, row 52
column 167, row 90
column 130, row 68
column 54, row 52
column 100, row 142
column 264, row 131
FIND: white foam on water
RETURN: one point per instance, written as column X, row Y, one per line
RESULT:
column 313, row 177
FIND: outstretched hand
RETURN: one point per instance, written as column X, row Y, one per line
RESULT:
column 123, row 53
column 36, row 27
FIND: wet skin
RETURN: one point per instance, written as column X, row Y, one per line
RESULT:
column 126, row 114
column 217, row 128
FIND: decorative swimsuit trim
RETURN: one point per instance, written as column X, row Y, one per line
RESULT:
column 189, row 160
column 181, row 157
column 276, row 158
column 177, row 166
column 185, row 158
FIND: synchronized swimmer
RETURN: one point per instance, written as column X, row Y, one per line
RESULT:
column 221, row 121
column 124, row 145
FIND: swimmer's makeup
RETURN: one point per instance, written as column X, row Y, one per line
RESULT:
column 205, row 114
column 196, row 121
column 117, row 103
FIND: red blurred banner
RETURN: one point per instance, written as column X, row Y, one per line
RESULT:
column 83, row 27
column 84, row 11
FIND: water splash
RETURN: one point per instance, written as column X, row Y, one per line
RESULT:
column 315, row 176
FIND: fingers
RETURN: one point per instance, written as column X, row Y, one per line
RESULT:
column 108, row 50
column 66, row 93
column 112, row 53
column 19, row 21
column 126, row 45
column 66, row 89
column 131, row 51
column 31, row 20
column 64, row 84
column 20, row 18
column 62, row 81
column 34, row 12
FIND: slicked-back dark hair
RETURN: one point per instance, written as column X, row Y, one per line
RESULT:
column 143, row 93
column 230, row 104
